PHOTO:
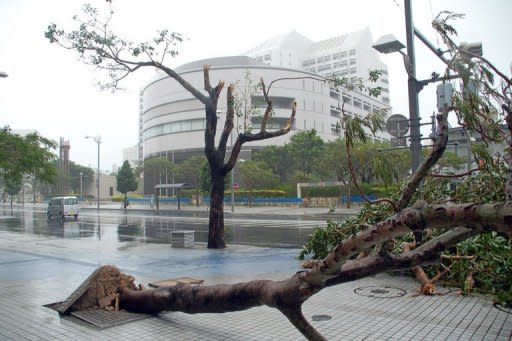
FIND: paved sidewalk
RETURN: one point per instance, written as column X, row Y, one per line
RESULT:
column 38, row 270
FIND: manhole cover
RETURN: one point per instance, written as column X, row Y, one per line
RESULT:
column 380, row 292
column 321, row 317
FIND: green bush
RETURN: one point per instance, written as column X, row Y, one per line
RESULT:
column 260, row 193
column 337, row 191
column 117, row 198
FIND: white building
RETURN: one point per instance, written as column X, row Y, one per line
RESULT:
column 350, row 55
column 172, row 121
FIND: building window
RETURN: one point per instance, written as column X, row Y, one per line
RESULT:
column 273, row 123
column 334, row 94
column 308, row 62
column 267, row 58
column 353, row 70
column 335, row 111
column 353, row 61
column 175, row 127
column 335, row 129
column 352, row 52
column 324, row 68
column 357, row 103
column 277, row 102
column 323, row 59
column 339, row 55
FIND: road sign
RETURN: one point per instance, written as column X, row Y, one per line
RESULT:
column 236, row 185
column 397, row 125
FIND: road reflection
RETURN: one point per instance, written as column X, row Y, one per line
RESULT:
column 121, row 228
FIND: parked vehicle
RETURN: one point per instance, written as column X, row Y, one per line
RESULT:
column 61, row 207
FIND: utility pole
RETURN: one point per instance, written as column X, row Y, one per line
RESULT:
column 414, row 117
column 97, row 139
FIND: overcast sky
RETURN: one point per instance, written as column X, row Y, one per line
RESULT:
column 50, row 91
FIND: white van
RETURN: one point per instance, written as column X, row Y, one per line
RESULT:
column 62, row 207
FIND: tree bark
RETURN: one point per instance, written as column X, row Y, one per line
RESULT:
column 216, row 219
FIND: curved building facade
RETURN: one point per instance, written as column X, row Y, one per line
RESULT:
column 172, row 121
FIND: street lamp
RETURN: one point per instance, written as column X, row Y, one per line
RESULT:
column 97, row 139
column 389, row 44
column 3, row 74
column 81, row 175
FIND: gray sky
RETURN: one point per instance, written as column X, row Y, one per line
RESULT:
column 50, row 91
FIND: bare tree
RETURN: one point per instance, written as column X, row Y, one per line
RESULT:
column 455, row 221
column 106, row 51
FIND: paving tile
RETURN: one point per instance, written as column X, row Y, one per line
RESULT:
column 53, row 268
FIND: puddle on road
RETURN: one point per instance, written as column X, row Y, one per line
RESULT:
column 149, row 229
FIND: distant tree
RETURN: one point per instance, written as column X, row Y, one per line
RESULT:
column 256, row 174
column 13, row 184
column 450, row 162
column 126, row 181
column 373, row 165
column 74, row 176
column 29, row 156
column 306, row 148
column 158, row 170
column 190, row 170
column 278, row 158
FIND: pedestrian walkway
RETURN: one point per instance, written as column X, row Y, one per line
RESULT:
column 265, row 212
column 37, row 270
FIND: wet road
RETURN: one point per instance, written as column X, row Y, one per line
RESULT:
column 117, row 227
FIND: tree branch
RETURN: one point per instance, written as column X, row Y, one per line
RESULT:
column 422, row 171
column 425, row 254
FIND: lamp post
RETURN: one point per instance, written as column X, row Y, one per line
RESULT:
column 3, row 74
column 389, row 44
column 81, row 188
column 97, row 139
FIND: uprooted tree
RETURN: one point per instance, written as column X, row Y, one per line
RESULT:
column 97, row 45
column 454, row 221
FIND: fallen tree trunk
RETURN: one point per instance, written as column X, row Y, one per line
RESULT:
column 341, row 265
